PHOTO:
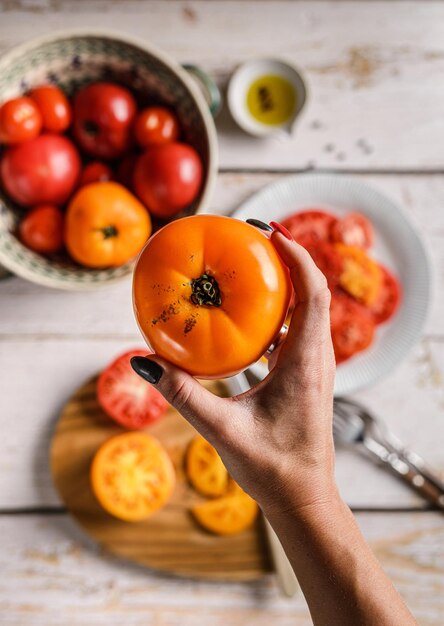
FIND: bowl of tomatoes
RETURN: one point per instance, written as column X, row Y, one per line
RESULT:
column 103, row 140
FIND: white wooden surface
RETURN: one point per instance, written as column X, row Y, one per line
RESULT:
column 375, row 73
column 52, row 576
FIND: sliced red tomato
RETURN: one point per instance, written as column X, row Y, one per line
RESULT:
column 388, row 299
column 342, row 304
column 328, row 260
column 310, row 226
column 353, row 230
column 354, row 334
column 125, row 397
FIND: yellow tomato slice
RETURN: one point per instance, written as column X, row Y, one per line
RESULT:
column 132, row 476
column 361, row 277
column 205, row 469
column 227, row 515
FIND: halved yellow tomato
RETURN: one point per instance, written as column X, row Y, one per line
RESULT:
column 205, row 469
column 132, row 476
column 227, row 515
column 210, row 294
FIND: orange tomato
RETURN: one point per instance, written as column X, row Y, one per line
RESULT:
column 361, row 277
column 132, row 476
column 210, row 294
column 106, row 225
column 228, row 515
column 205, row 469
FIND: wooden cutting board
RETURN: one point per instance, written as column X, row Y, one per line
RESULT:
column 171, row 540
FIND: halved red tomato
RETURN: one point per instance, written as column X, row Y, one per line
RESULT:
column 310, row 226
column 388, row 299
column 354, row 229
column 125, row 397
column 328, row 260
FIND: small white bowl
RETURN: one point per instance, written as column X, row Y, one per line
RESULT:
column 240, row 83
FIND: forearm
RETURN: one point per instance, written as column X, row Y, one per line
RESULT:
column 342, row 581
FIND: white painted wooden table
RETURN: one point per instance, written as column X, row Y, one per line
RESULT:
column 375, row 73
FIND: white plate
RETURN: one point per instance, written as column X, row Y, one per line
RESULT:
column 397, row 245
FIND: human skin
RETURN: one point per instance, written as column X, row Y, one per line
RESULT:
column 276, row 441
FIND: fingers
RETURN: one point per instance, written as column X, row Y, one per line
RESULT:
column 200, row 407
column 310, row 323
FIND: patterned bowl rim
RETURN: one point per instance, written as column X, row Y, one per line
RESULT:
column 199, row 100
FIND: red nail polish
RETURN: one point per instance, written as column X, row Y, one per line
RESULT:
column 281, row 229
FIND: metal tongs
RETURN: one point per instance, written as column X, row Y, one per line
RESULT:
column 352, row 423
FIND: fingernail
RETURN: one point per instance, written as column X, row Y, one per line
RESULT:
column 259, row 224
column 281, row 229
column 149, row 370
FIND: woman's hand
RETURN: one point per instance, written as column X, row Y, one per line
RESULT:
column 276, row 442
column 276, row 439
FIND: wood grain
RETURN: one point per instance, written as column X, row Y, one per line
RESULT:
column 372, row 69
column 53, row 575
column 170, row 540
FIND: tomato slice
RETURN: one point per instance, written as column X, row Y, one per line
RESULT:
column 205, row 469
column 228, row 515
column 361, row 277
column 125, row 397
column 132, row 476
column 310, row 226
column 388, row 299
column 328, row 260
column 352, row 326
column 342, row 304
column 353, row 230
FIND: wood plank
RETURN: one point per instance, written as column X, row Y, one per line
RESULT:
column 52, row 341
column 375, row 95
column 38, row 378
column 53, row 576
column 108, row 312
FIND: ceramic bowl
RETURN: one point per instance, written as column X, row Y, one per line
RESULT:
column 240, row 83
column 72, row 59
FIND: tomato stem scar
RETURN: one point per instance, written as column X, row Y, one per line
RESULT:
column 206, row 291
column 109, row 231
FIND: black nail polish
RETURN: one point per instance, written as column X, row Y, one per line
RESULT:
column 149, row 370
column 259, row 224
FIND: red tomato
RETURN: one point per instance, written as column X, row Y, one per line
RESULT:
column 95, row 172
column 328, row 260
column 310, row 226
column 125, row 397
column 168, row 178
column 388, row 299
column 352, row 326
column 342, row 304
column 54, row 107
column 353, row 230
column 156, row 125
column 20, row 120
column 42, row 228
column 103, row 115
column 44, row 170
column 125, row 170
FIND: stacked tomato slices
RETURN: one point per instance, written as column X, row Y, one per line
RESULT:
column 364, row 292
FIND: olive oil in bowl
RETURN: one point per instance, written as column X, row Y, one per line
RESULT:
column 266, row 96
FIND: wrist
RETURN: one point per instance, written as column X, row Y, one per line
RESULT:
column 302, row 493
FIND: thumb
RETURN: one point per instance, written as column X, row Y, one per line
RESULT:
column 200, row 407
